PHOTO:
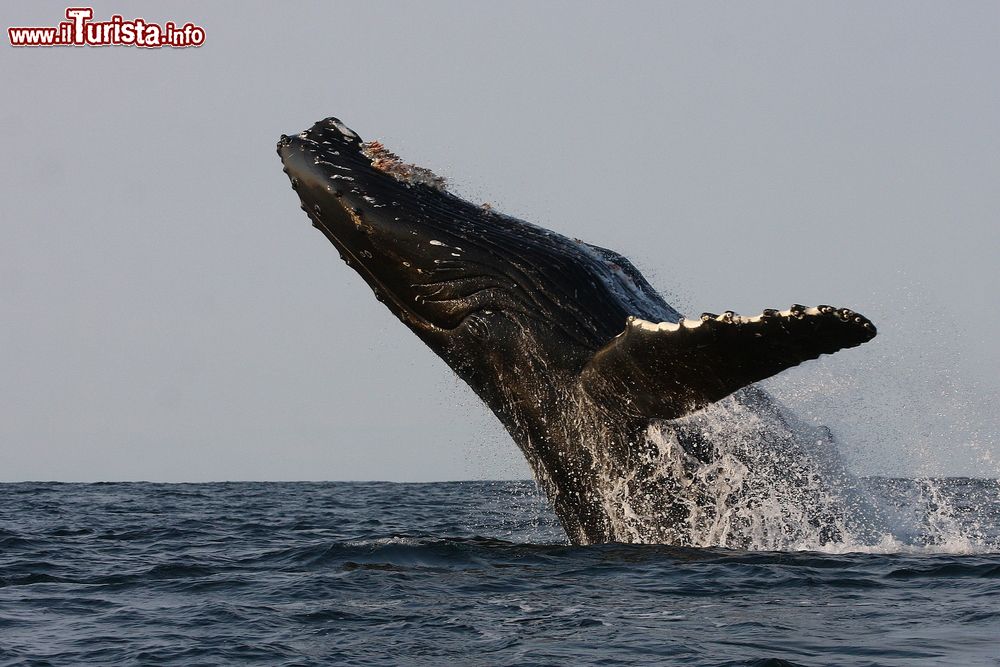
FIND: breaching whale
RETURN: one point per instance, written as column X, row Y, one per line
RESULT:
column 566, row 342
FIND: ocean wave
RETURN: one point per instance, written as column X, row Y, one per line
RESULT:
column 373, row 574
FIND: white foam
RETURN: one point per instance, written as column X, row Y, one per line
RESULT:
column 774, row 484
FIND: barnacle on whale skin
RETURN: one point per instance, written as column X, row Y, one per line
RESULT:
column 388, row 162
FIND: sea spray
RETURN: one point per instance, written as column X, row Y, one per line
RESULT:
column 755, row 478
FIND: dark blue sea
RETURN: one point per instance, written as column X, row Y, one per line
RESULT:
column 467, row 573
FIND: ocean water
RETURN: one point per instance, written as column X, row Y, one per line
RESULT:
column 470, row 573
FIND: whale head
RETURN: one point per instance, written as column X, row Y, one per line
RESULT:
column 460, row 275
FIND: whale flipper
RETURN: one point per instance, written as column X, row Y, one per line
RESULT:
column 668, row 370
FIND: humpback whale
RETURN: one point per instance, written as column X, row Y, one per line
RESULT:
column 566, row 342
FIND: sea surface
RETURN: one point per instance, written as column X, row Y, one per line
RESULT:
column 467, row 573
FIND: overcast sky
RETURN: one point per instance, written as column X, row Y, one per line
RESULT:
column 168, row 313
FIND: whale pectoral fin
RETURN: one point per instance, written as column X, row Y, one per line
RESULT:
column 668, row 370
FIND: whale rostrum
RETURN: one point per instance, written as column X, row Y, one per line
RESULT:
column 566, row 342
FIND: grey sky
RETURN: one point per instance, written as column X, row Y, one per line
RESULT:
column 169, row 314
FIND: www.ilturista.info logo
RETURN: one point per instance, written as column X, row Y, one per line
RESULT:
column 79, row 30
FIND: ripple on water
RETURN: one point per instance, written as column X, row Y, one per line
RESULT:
column 473, row 573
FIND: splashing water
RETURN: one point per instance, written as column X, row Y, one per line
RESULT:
column 758, row 479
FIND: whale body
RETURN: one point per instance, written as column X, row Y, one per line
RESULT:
column 566, row 342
